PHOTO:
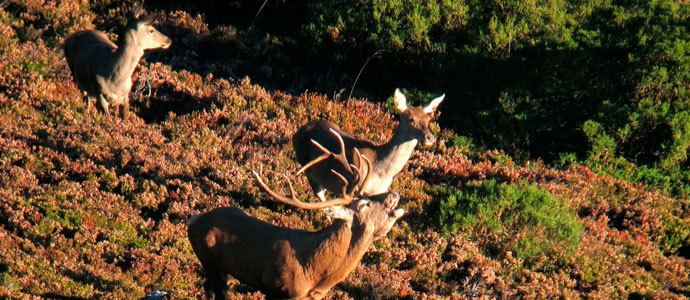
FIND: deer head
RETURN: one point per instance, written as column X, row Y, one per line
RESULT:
column 378, row 212
column 142, row 29
column 416, row 119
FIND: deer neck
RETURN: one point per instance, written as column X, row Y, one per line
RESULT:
column 393, row 155
column 339, row 252
column 127, row 56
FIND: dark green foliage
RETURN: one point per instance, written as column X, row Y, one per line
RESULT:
column 387, row 25
column 525, row 76
column 602, row 158
column 522, row 218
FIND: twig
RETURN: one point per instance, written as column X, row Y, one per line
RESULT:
column 360, row 73
column 257, row 14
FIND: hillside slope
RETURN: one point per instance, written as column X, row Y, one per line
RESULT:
column 96, row 207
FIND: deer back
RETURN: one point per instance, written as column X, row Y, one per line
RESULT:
column 82, row 52
column 230, row 241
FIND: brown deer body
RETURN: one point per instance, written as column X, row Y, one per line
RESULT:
column 289, row 263
column 387, row 159
column 103, row 70
column 283, row 262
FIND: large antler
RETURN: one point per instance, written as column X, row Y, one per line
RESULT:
column 346, row 198
column 359, row 173
column 342, row 157
column 292, row 200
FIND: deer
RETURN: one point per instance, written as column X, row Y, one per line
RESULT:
column 287, row 263
column 103, row 70
column 386, row 160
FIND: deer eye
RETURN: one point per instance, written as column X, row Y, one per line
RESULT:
column 362, row 205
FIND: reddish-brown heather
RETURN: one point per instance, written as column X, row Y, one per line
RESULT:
column 92, row 207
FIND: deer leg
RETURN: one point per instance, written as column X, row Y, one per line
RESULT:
column 332, row 212
column 216, row 284
column 315, row 186
column 124, row 110
column 88, row 101
column 103, row 104
column 321, row 194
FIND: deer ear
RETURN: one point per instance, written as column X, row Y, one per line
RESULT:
column 429, row 109
column 148, row 19
column 137, row 10
column 392, row 199
column 400, row 101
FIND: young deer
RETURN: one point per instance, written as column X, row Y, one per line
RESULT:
column 386, row 160
column 103, row 70
column 283, row 262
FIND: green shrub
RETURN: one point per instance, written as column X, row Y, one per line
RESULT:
column 530, row 77
column 386, row 24
column 603, row 158
column 520, row 217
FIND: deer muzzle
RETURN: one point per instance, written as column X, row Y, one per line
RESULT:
column 429, row 139
column 166, row 44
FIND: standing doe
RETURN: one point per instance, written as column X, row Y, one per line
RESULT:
column 289, row 263
column 103, row 70
column 386, row 160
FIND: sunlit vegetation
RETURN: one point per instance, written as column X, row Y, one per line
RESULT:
column 95, row 207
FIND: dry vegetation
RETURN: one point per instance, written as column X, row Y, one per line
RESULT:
column 92, row 207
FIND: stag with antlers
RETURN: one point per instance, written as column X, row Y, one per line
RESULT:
column 291, row 263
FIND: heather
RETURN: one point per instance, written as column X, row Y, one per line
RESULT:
column 96, row 207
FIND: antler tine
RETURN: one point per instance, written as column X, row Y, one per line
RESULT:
column 322, row 148
column 292, row 200
column 340, row 138
column 313, row 162
column 358, row 172
column 345, row 183
column 274, row 194
column 366, row 160
column 292, row 190
column 342, row 157
column 361, row 174
column 342, row 178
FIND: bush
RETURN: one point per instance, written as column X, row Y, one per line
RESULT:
column 386, row 25
column 519, row 217
column 526, row 76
